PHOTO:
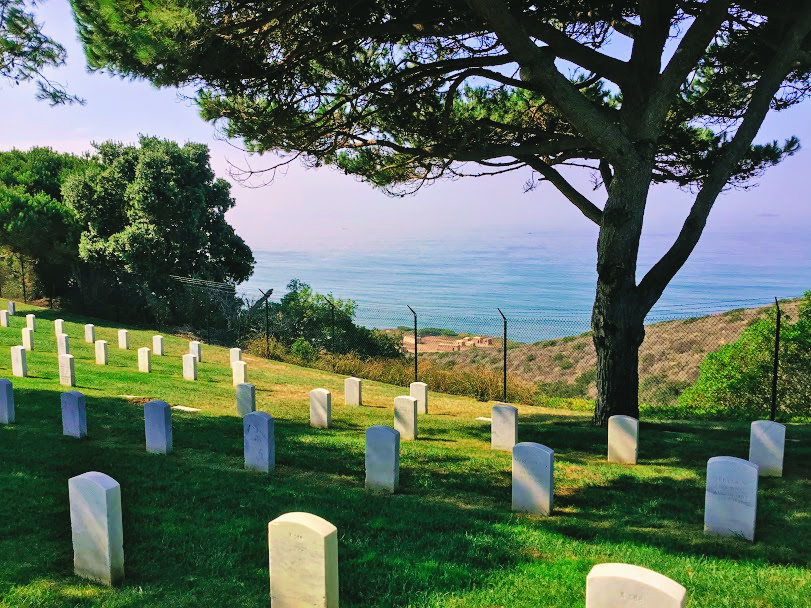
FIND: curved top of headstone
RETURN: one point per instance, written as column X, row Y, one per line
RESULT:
column 502, row 406
column 767, row 424
column 660, row 586
column 418, row 384
column 319, row 391
column 532, row 446
column 732, row 460
column 306, row 520
column 156, row 404
column 381, row 429
column 4, row 381
column 408, row 398
column 353, row 378
column 622, row 418
column 263, row 415
column 100, row 479
column 72, row 394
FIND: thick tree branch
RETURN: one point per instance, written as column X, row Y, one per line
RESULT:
column 586, row 207
column 684, row 60
column 538, row 69
column 566, row 48
column 657, row 278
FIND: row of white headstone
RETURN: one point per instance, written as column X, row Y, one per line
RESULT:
column 730, row 503
column 731, row 491
column 303, row 556
column 67, row 372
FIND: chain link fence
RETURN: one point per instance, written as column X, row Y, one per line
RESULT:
column 546, row 354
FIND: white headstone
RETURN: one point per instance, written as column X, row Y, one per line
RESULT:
column 95, row 523
column 405, row 416
column 89, row 333
column 260, row 449
column 144, row 360
column 67, row 370
column 239, row 372
column 31, row 322
column 123, row 339
column 504, row 427
column 353, row 391
column 623, row 439
column 101, row 352
column 320, row 408
column 730, row 502
column 767, row 444
column 382, row 459
column 28, row 339
column 59, row 326
column 619, row 585
column 303, row 562
column 6, row 402
column 63, row 344
column 235, row 354
column 12, row 308
column 158, row 427
column 196, row 349
column 189, row 367
column 533, row 478
column 19, row 366
column 74, row 415
column 419, row 390
column 246, row 399
column 4, row 318
column 157, row 346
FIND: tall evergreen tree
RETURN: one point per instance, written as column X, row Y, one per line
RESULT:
column 402, row 93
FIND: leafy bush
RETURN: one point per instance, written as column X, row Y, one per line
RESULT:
column 303, row 314
column 303, row 350
column 735, row 381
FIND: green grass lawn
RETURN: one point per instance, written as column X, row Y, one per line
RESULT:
column 195, row 522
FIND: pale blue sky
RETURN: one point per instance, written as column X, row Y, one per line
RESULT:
column 308, row 206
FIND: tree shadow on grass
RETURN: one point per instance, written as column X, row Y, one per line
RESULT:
column 668, row 513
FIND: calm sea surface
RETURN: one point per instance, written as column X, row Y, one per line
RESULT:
column 460, row 282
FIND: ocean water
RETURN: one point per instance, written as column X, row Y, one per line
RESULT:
column 544, row 282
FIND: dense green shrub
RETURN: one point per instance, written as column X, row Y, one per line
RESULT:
column 735, row 381
column 304, row 315
column 303, row 350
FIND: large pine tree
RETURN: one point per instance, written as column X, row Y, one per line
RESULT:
column 403, row 92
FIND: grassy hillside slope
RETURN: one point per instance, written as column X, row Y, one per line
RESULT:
column 195, row 522
column 669, row 358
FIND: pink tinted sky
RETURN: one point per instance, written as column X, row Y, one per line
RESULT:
column 304, row 207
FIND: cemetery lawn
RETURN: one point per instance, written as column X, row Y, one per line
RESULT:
column 195, row 522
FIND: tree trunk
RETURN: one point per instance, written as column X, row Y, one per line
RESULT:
column 22, row 276
column 618, row 331
column 617, row 320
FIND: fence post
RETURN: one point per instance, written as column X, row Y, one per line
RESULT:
column 416, row 377
column 267, row 322
column 505, row 353
column 776, row 361
column 333, row 330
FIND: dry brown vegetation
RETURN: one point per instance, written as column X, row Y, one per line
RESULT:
column 669, row 359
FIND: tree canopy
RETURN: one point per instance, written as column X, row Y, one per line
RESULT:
column 110, row 228
column 25, row 50
column 156, row 210
column 404, row 93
